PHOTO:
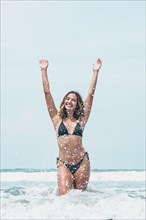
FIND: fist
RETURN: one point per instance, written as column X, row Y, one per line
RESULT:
column 44, row 64
column 97, row 65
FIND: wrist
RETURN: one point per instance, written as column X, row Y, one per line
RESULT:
column 95, row 71
column 43, row 69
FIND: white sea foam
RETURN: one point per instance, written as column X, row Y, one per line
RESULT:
column 110, row 195
column 95, row 176
column 40, row 201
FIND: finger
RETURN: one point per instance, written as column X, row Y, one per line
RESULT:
column 41, row 61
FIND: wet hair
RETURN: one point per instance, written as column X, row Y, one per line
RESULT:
column 79, row 110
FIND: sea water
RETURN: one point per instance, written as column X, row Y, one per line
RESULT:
column 111, row 194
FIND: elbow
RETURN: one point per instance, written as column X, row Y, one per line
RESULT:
column 91, row 94
column 46, row 90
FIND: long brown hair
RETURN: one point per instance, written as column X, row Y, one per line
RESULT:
column 79, row 110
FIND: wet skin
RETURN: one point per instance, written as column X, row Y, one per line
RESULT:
column 70, row 146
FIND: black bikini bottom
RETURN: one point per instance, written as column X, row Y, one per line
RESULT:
column 73, row 168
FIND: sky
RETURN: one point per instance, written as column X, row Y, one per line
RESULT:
column 71, row 35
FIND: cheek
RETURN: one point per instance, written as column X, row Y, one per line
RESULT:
column 75, row 104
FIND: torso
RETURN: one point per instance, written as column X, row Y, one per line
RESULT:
column 70, row 146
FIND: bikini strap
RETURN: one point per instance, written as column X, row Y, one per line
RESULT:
column 58, row 159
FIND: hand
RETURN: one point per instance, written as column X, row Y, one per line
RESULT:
column 44, row 64
column 97, row 65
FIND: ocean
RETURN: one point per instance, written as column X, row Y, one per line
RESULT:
column 111, row 194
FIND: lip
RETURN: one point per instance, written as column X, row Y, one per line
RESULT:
column 69, row 106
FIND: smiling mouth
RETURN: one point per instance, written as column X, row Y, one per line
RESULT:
column 69, row 106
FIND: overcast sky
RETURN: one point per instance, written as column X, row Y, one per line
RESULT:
column 72, row 35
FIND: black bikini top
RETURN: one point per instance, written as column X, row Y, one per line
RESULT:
column 62, row 130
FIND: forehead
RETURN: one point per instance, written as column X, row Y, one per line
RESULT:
column 72, row 96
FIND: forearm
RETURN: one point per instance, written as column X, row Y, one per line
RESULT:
column 93, row 82
column 45, row 81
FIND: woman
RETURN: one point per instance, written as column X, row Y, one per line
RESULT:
column 69, row 123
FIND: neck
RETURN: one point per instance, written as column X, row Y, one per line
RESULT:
column 70, row 114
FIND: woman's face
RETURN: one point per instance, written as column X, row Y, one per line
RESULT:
column 70, row 102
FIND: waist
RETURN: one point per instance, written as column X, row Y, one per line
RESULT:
column 73, row 163
column 72, row 156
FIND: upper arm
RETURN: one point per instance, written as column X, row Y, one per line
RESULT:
column 50, row 105
column 87, row 106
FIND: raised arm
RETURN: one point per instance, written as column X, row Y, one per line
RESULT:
column 90, row 95
column 49, row 99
